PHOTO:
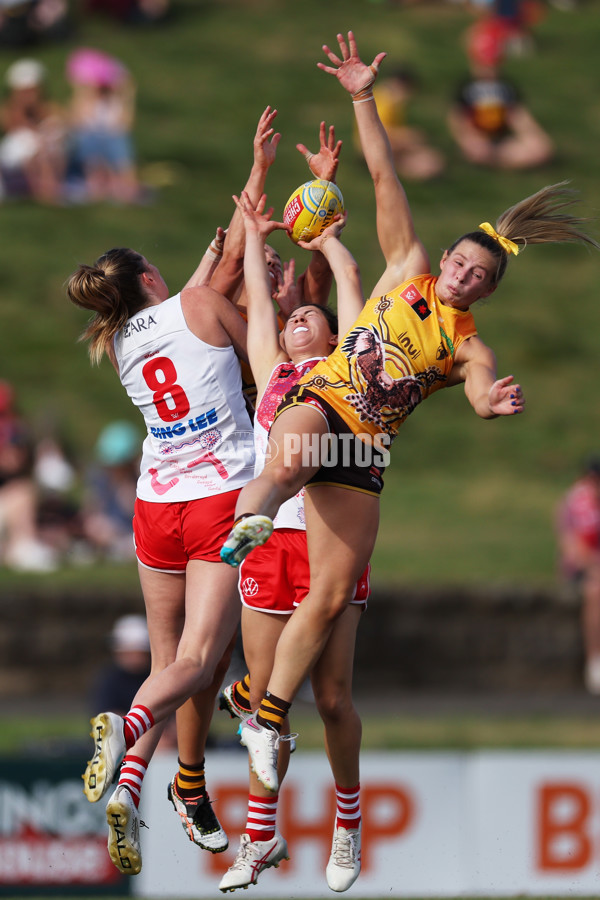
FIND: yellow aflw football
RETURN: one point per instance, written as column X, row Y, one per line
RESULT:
column 311, row 209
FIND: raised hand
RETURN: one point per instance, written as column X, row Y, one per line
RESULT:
column 352, row 73
column 289, row 296
column 324, row 163
column 256, row 220
column 266, row 139
column 506, row 398
column 332, row 230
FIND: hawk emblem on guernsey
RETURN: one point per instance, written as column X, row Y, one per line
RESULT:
column 383, row 399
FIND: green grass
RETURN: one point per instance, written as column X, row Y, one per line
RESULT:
column 466, row 500
column 401, row 731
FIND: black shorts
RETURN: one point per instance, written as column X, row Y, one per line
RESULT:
column 349, row 463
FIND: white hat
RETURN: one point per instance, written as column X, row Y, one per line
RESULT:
column 130, row 633
column 25, row 73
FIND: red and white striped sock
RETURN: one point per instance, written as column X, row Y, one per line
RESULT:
column 348, row 807
column 137, row 722
column 262, row 816
column 133, row 769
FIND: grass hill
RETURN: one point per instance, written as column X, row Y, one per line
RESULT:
column 466, row 500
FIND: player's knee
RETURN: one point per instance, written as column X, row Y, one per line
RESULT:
column 333, row 702
column 196, row 671
column 338, row 596
column 160, row 662
column 325, row 613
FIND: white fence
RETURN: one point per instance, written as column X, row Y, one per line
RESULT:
column 434, row 824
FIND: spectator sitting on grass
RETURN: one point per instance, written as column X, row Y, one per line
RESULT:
column 22, row 548
column 32, row 151
column 102, row 113
column 110, row 498
column 488, row 120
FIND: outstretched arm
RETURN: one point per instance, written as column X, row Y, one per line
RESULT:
column 404, row 253
column 264, row 350
column 315, row 284
column 350, row 297
column 228, row 274
column 475, row 365
column 210, row 260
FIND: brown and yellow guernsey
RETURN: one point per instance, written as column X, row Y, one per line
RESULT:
column 399, row 351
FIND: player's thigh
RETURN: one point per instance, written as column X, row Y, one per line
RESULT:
column 341, row 528
column 164, row 598
column 295, row 442
column 212, row 611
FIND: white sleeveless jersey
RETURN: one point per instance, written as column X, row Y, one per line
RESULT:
column 200, row 440
column 283, row 377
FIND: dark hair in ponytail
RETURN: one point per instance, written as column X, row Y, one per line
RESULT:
column 111, row 289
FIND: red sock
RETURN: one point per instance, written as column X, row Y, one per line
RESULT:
column 262, row 816
column 133, row 769
column 137, row 722
column 348, row 807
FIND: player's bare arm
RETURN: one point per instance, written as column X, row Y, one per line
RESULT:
column 475, row 366
column 264, row 350
column 229, row 273
column 316, row 282
column 404, row 253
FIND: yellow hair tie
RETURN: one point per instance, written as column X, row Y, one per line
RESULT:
column 507, row 245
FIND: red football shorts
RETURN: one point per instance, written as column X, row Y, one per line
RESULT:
column 275, row 578
column 168, row 535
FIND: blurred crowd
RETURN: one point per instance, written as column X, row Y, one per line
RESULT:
column 26, row 23
column 488, row 117
column 83, row 150
column 80, row 152
column 54, row 512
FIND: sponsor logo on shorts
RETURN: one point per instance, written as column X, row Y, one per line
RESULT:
column 249, row 587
